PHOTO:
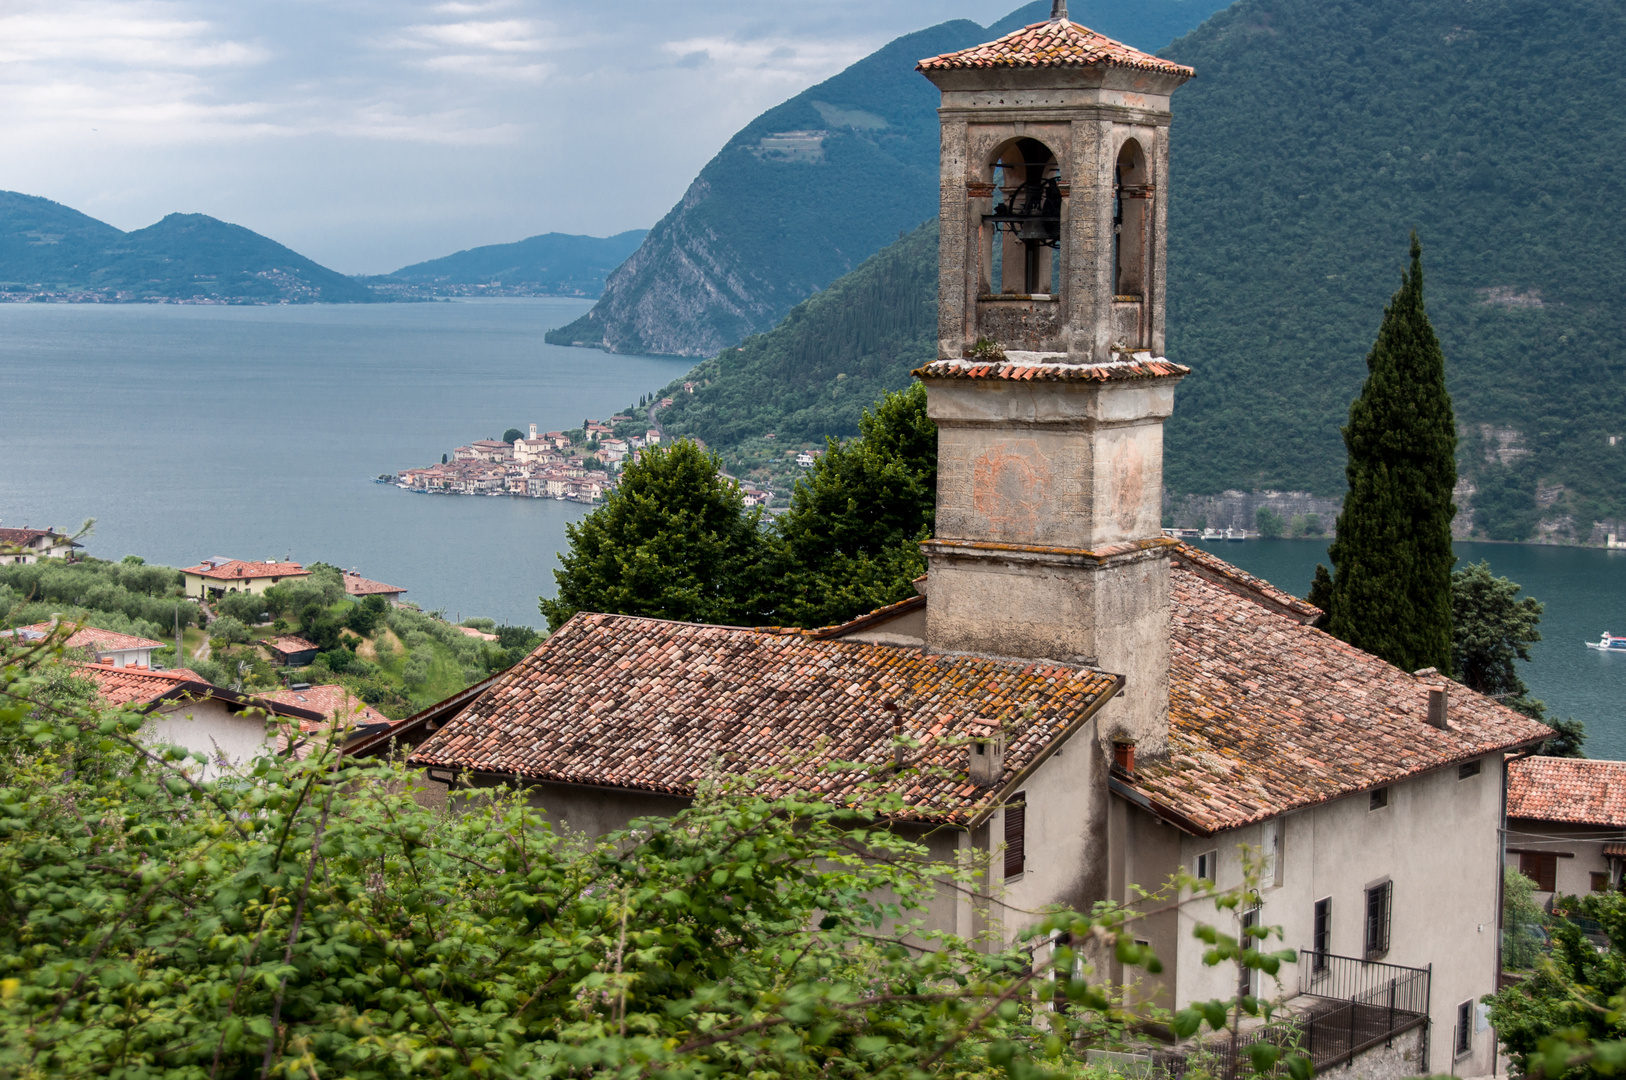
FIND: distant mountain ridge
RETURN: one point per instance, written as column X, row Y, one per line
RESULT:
column 552, row 264
column 51, row 251
column 810, row 189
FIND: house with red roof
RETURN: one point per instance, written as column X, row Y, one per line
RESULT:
column 181, row 709
column 98, row 645
column 1075, row 704
column 359, row 587
column 1566, row 824
column 215, row 577
column 27, row 546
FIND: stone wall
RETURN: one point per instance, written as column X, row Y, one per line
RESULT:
column 1238, row 509
column 1402, row 1058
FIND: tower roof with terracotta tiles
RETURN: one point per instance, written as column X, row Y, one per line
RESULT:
column 1053, row 44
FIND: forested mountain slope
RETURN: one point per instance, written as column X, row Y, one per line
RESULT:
column 553, row 264
column 1314, row 137
column 49, row 249
column 810, row 189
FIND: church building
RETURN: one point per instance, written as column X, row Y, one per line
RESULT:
column 1077, row 701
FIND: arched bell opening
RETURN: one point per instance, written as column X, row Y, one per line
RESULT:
column 1131, row 223
column 1021, row 235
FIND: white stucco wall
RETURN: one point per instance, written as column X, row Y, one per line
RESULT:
column 1579, row 849
column 209, row 727
column 1437, row 840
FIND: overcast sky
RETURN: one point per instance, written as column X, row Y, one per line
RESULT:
column 369, row 134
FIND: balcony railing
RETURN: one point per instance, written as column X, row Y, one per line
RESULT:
column 1354, row 1005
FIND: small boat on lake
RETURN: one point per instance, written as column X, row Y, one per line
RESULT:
column 1609, row 643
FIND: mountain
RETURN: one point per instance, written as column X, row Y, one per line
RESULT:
column 810, row 189
column 52, row 251
column 553, row 264
column 1314, row 138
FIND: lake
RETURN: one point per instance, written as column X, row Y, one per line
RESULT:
column 255, row 432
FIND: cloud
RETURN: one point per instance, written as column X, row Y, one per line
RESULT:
column 138, row 35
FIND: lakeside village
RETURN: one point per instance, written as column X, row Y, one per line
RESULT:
column 580, row 465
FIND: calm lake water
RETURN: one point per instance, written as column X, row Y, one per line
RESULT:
column 255, row 432
column 1585, row 593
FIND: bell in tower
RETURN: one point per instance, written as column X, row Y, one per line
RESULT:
column 1054, row 160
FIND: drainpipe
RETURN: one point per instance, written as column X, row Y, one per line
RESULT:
column 1501, row 871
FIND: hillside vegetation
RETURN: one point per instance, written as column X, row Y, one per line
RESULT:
column 810, row 189
column 53, row 251
column 1313, row 138
column 553, row 264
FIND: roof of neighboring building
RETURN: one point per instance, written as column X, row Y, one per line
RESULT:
column 1205, row 565
column 473, row 632
column 1141, row 367
column 651, row 705
column 1056, row 43
column 290, row 644
column 331, row 701
column 139, row 686
column 356, row 585
column 28, row 536
column 91, row 637
column 1268, row 715
column 238, row 570
column 1575, row 790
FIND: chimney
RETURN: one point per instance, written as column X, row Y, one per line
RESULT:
column 1123, row 756
column 986, row 754
column 900, row 752
column 1437, row 696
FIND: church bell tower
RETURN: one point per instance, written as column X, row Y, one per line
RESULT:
column 1054, row 167
column 1049, row 540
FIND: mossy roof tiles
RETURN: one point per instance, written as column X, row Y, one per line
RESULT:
column 651, row 705
column 1057, row 43
column 1573, row 790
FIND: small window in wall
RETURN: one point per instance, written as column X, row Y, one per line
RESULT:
column 1131, row 222
column 1271, row 873
column 1600, row 881
column 1208, row 866
column 1540, row 867
column 1321, row 934
column 1250, row 919
column 1016, row 820
column 1465, row 1028
column 1379, row 900
column 1467, row 769
column 1378, row 799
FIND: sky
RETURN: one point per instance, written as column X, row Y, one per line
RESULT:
column 370, row 134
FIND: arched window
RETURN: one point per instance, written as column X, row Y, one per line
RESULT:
column 1022, row 236
column 1131, row 223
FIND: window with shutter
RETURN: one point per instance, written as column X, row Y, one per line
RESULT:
column 1541, row 868
column 1016, row 814
column 1378, row 904
column 1321, row 934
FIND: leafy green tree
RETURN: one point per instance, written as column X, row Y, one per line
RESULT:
column 1523, row 921
column 512, row 435
column 1492, row 628
column 850, row 541
column 1570, row 740
column 365, row 616
column 228, row 631
column 1391, row 586
column 673, row 541
column 1270, row 524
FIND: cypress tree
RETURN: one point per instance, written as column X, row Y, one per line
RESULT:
column 1391, row 585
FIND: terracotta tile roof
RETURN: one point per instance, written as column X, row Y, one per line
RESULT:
column 91, row 637
column 1057, row 43
column 1213, row 568
column 28, row 536
column 1267, row 715
column 652, row 705
column 330, row 701
column 139, row 686
column 1574, row 790
column 1142, row 367
column 356, row 585
column 238, row 570
column 291, row 644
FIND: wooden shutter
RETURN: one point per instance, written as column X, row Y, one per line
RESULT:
column 1016, row 827
column 1541, row 868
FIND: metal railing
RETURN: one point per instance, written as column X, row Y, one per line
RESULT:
column 1358, row 1005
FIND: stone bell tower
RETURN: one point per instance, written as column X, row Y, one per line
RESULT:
column 1050, row 457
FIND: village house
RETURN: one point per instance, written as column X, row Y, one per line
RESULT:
column 359, row 587
column 214, row 578
column 182, row 709
column 532, row 450
column 1566, row 824
column 338, row 707
column 98, row 646
column 28, row 546
column 289, row 650
column 1074, row 702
